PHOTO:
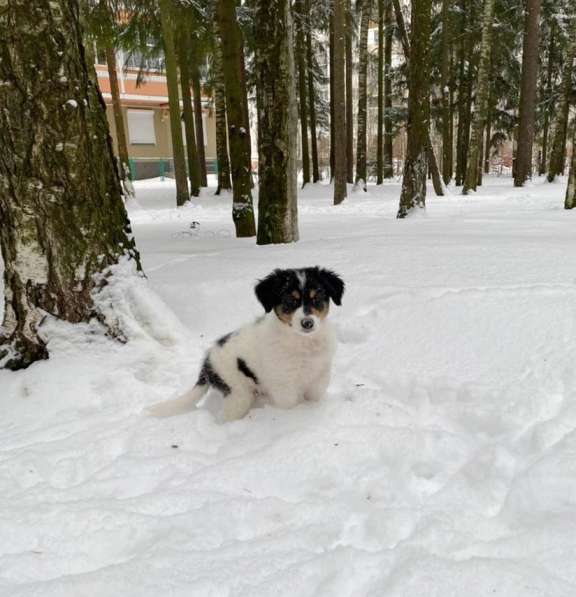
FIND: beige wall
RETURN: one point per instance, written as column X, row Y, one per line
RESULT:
column 163, row 147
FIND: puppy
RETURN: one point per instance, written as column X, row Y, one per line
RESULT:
column 283, row 357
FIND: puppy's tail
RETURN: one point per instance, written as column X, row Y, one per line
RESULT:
column 178, row 406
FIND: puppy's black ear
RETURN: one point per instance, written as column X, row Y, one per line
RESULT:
column 334, row 285
column 267, row 290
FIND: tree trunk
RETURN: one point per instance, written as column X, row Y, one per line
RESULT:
column 183, row 55
column 331, row 86
column 124, row 169
column 303, row 104
column 340, row 100
column 223, row 161
column 488, row 139
column 197, row 89
column 277, row 121
column 380, row 128
column 528, row 90
column 570, row 201
column 558, row 154
column 415, row 166
column 361, row 174
column 349, row 106
column 388, row 134
column 312, row 100
column 548, row 102
column 167, row 23
column 238, row 122
column 481, row 104
column 445, row 83
column 64, row 224
column 432, row 165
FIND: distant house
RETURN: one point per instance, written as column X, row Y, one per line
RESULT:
column 146, row 116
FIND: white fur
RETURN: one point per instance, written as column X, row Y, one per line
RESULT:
column 291, row 366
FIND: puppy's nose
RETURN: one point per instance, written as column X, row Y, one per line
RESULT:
column 307, row 323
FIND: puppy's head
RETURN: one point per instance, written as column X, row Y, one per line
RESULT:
column 300, row 297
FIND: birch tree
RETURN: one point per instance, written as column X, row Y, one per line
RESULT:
column 63, row 219
column 277, row 121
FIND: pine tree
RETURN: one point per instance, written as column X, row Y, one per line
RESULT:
column 558, row 153
column 63, row 219
column 277, row 121
column 473, row 169
column 528, row 93
column 415, row 165
column 302, row 95
column 238, row 122
column 380, row 126
column 349, row 94
column 361, row 173
column 183, row 57
column 339, row 101
column 445, row 83
column 167, row 21
column 388, row 133
column 311, row 98
column 223, row 161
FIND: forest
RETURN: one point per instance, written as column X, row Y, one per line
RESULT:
column 159, row 161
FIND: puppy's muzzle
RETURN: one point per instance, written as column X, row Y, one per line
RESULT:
column 307, row 324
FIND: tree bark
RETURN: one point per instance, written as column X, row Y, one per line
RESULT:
column 570, row 201
column 415, row 166
column 167, row 23
column 312, row 99
column 380, row 126
column 349, row 100
column 123, row 166
column 432, row 164
column 558, row 153
column 548, row 101
column 238, row 121
column 183, row 56
column 223, row 161
column 199, row 121
column 339, row 101
column 331, row 86
column 388, row 133
column 303, row 104
column 277, row 121
column 528, row 90
column 64, row 225
column 482, row 96
column 361, row 173
column 447, row 165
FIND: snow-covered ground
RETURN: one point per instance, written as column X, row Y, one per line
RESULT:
column 442, row 463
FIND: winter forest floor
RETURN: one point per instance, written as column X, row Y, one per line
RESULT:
column 442, row 463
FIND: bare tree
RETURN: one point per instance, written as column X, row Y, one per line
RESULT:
column 339, row 101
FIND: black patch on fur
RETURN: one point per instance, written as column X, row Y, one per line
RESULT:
column 243, row 368
column 224, row 339
column 209, row 376
column 282, row 289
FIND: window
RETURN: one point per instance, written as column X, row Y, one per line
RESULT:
column 141, row 127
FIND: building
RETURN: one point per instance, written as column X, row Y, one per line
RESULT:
column 146, row 116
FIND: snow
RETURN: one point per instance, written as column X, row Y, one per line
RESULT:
column 441, row 462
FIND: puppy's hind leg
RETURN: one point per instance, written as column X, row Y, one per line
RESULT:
column 237, row 405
